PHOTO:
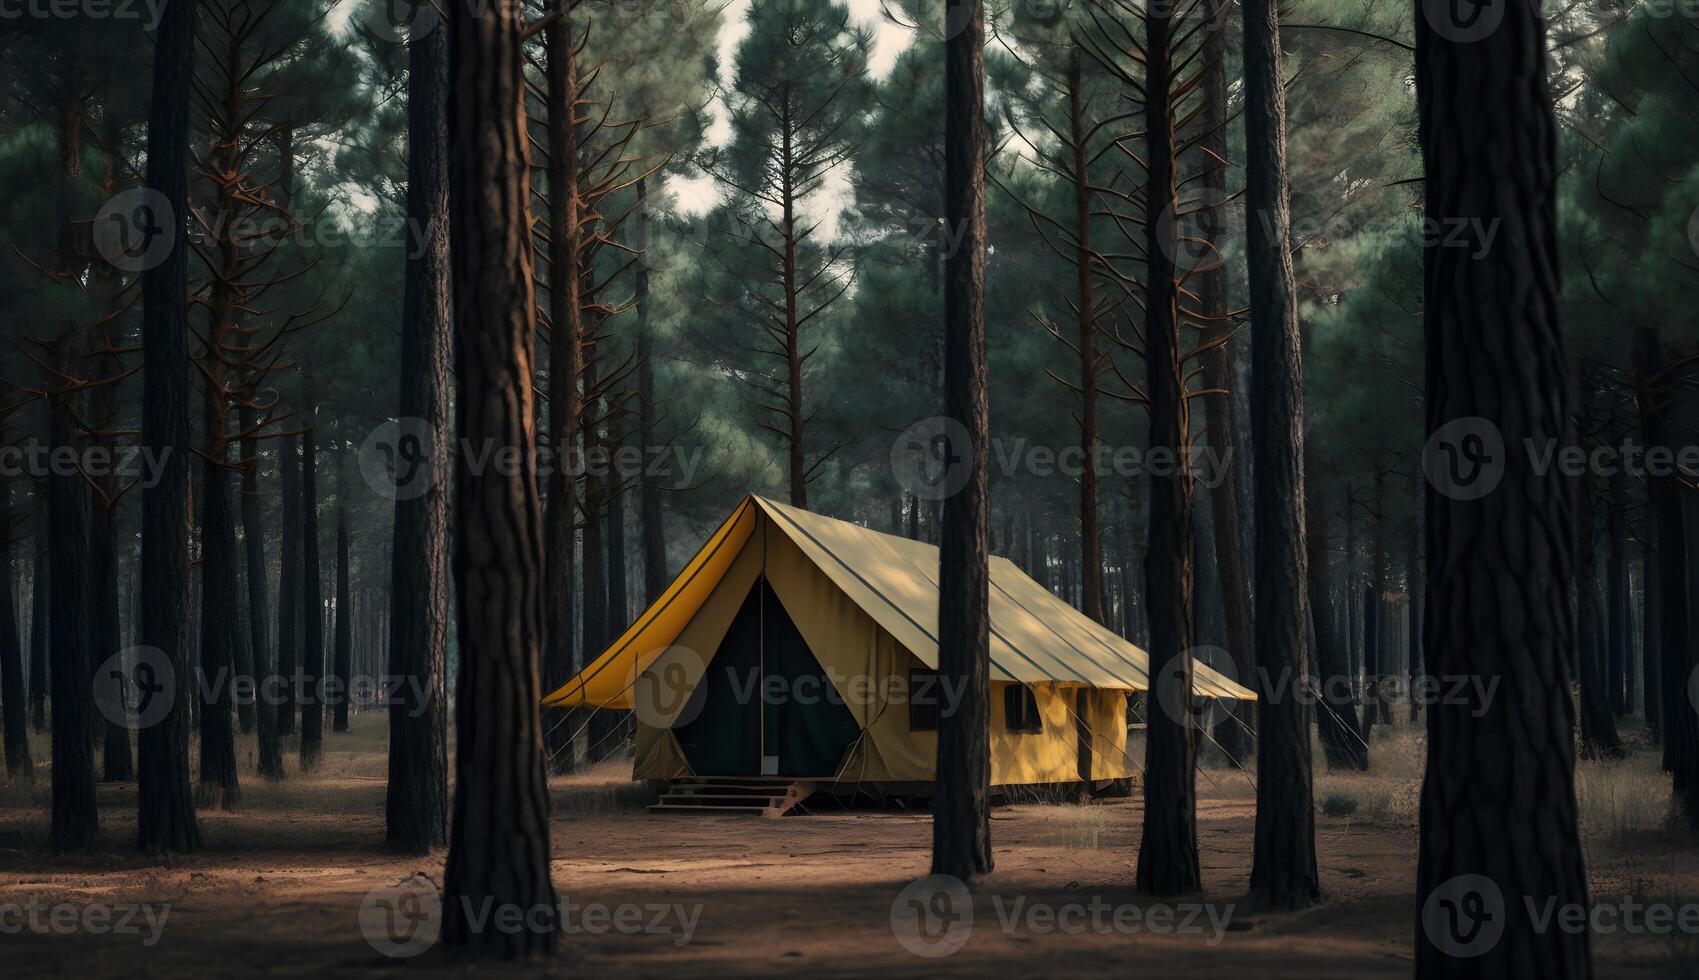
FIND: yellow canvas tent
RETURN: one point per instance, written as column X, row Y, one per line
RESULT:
column 800, row 646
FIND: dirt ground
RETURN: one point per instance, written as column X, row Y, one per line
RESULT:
column 279, row 887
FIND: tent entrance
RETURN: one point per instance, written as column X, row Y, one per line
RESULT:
column 764, row 706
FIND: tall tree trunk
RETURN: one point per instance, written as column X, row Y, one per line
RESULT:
column 1651, row 625
column 498, row 853
column 41, row 576
column 1620, row 646
column 166, row 812
column 1090, row 360
column 221, row 628
column 1418, row 596
column 289, row 586
column 1495, row 351
column 1283, row 868
column 1227, row 498
column 618, row 605
column 345, row 615
column 1598, row 724
column 75, row 821
column 13, row 693
column 259, row 615
column 961, row 811
column 654, row 532
column 416, row 803
column 312, row 601
column 1168, row 848
column 105, row 627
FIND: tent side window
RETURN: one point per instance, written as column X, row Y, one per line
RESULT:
column 1020, row 710
column 923, row 697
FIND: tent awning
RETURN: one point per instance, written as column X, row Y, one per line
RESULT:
column 1035, row 636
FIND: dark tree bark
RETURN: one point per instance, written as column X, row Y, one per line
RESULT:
column 618, row 605
column 344, row 626
column 654, row 530
column 166, row 813
column 1598, row 724
column 499, row 846
column 1283, row 868
column 416, row 805
column 105, row 628
column 566, row 356
column 1168, row 848
column 289, row 586
column 1226, row 499
column 41, row 575
column 1495, row 351
column 1620, row 646
column 312, row 604
column 221, row 628
column 75, row 820
column 961, row 811
column 1651, row 642
column 13, row 693
column 259, row 616
column 1417, row 588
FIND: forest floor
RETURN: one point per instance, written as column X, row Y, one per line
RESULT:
column 279, row 887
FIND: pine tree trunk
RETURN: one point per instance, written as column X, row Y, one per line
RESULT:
column 345, row 616
column 654, row 531
column 1651, row 626
column 618, row 607
column 961, row 811
column 1620, row 645
column 105, row 628
column 312, row 603
column 1168, row 848
column 416, row 802
column 13, row 693
column 1090, row 360
column 498, row 854
column 75, row 821
column 41, row 575
column 259, row 614
column 166, row 811
column 1495, row 350
column 1598, row 724
column 289, row 586
column 1283, row 869
column 220, row 630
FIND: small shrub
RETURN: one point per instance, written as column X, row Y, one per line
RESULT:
column 1339, row 805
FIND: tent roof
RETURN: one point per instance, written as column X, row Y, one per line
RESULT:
column 1035, row 636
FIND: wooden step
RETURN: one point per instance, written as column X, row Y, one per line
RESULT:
column 769, row 796
column 686, row 808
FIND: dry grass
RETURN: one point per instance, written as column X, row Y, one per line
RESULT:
column 1389, row 794
column 1081, row 827
column 1621, row 801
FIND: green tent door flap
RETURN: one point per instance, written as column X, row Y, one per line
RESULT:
column 764, row 706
